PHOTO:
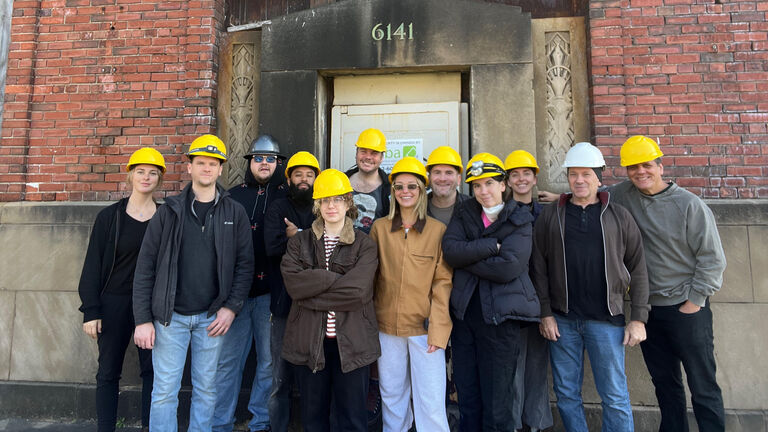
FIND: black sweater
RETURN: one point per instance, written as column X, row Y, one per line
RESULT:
column 257, row 200
column 276, row 240
column 99, row 259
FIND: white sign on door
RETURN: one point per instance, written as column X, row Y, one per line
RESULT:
column 400, row 148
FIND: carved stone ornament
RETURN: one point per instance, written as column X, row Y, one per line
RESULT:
column 559, row 132
column 241, row 115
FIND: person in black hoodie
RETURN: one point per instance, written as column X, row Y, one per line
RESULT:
column 264, row 184
column 106, row 284
column 488, row 243
column 287, row 217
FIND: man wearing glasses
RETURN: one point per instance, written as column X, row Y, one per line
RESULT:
column 264, row 184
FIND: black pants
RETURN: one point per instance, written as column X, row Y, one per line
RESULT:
column 675, row 338
column 116, row 329
column 348, row 391
column 484, row 359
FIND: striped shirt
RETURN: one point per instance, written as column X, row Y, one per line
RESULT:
column 330, row 245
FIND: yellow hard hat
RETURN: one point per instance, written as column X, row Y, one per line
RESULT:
column 208, row 145
column 521, row 159
column 302, row 158
column 147, row 156
column 372, row 139
column 639, row 149
column 484, row 165
column 409, row 165
column 331, row 182
column 445, row 155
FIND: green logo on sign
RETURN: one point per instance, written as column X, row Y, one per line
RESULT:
column 409, row 151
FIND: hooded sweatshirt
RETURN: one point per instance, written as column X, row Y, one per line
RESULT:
column 257, row 198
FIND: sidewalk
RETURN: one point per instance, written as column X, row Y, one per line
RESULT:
column 22, row 425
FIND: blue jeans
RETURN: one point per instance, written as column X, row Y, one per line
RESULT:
column 168, row 358
column 250, row 326
column 602, row 341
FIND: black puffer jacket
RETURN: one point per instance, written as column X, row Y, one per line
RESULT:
column 257, row 200
column 156, row 277
column 500, row 274
column 275, row 241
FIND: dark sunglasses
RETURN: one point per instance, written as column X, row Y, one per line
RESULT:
column 260, row 159
column 411, row 186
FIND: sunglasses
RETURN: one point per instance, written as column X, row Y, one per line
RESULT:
column 411, row 186
column 260, row 159
column 334, row 199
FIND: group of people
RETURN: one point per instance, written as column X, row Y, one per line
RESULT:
column 347, row 281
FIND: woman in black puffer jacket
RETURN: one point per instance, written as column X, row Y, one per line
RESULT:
column 488, row 244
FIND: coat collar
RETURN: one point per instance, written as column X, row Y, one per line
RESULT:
column 347, row 235
column 397, row 223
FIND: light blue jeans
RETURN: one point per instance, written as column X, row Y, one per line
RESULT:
column 250, row 326
column 602, row 341
column 168, row 358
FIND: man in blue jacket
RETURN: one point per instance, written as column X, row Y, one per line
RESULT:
column 192, row 276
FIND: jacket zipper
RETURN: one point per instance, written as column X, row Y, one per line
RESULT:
column 319, row 346
column 565, row 262
column 605, row 261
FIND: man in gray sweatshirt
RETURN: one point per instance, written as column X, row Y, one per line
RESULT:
column 685, row 267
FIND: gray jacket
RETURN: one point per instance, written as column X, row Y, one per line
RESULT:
column 682, row 246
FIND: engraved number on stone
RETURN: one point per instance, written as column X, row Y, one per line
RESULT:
column 380, row 31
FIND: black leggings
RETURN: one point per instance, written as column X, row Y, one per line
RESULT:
column 117, row 326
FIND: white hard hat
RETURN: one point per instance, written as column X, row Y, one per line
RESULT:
column 585, row 155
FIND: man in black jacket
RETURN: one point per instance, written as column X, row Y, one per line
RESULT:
column 286, row 217
column 586, row 250
column 264, row 184
column 192, row 276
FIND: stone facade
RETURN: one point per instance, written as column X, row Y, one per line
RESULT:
column 43, row 349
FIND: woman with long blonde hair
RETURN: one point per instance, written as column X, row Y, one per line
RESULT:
column 106, row 283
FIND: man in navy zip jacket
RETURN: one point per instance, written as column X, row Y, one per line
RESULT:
column 192, row 275
column 264, row 184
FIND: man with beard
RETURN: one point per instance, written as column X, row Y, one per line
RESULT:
column 369, row 181
column 286, row 217
column 444, row 168
column 262, row 186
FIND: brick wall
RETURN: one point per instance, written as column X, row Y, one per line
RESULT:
column 693, row 73
column 90, row 81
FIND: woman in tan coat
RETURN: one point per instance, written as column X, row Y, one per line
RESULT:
column 413, row 287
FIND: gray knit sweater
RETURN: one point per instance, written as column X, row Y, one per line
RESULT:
column 682, row 246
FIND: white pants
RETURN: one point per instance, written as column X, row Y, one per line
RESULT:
column 406, row 369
